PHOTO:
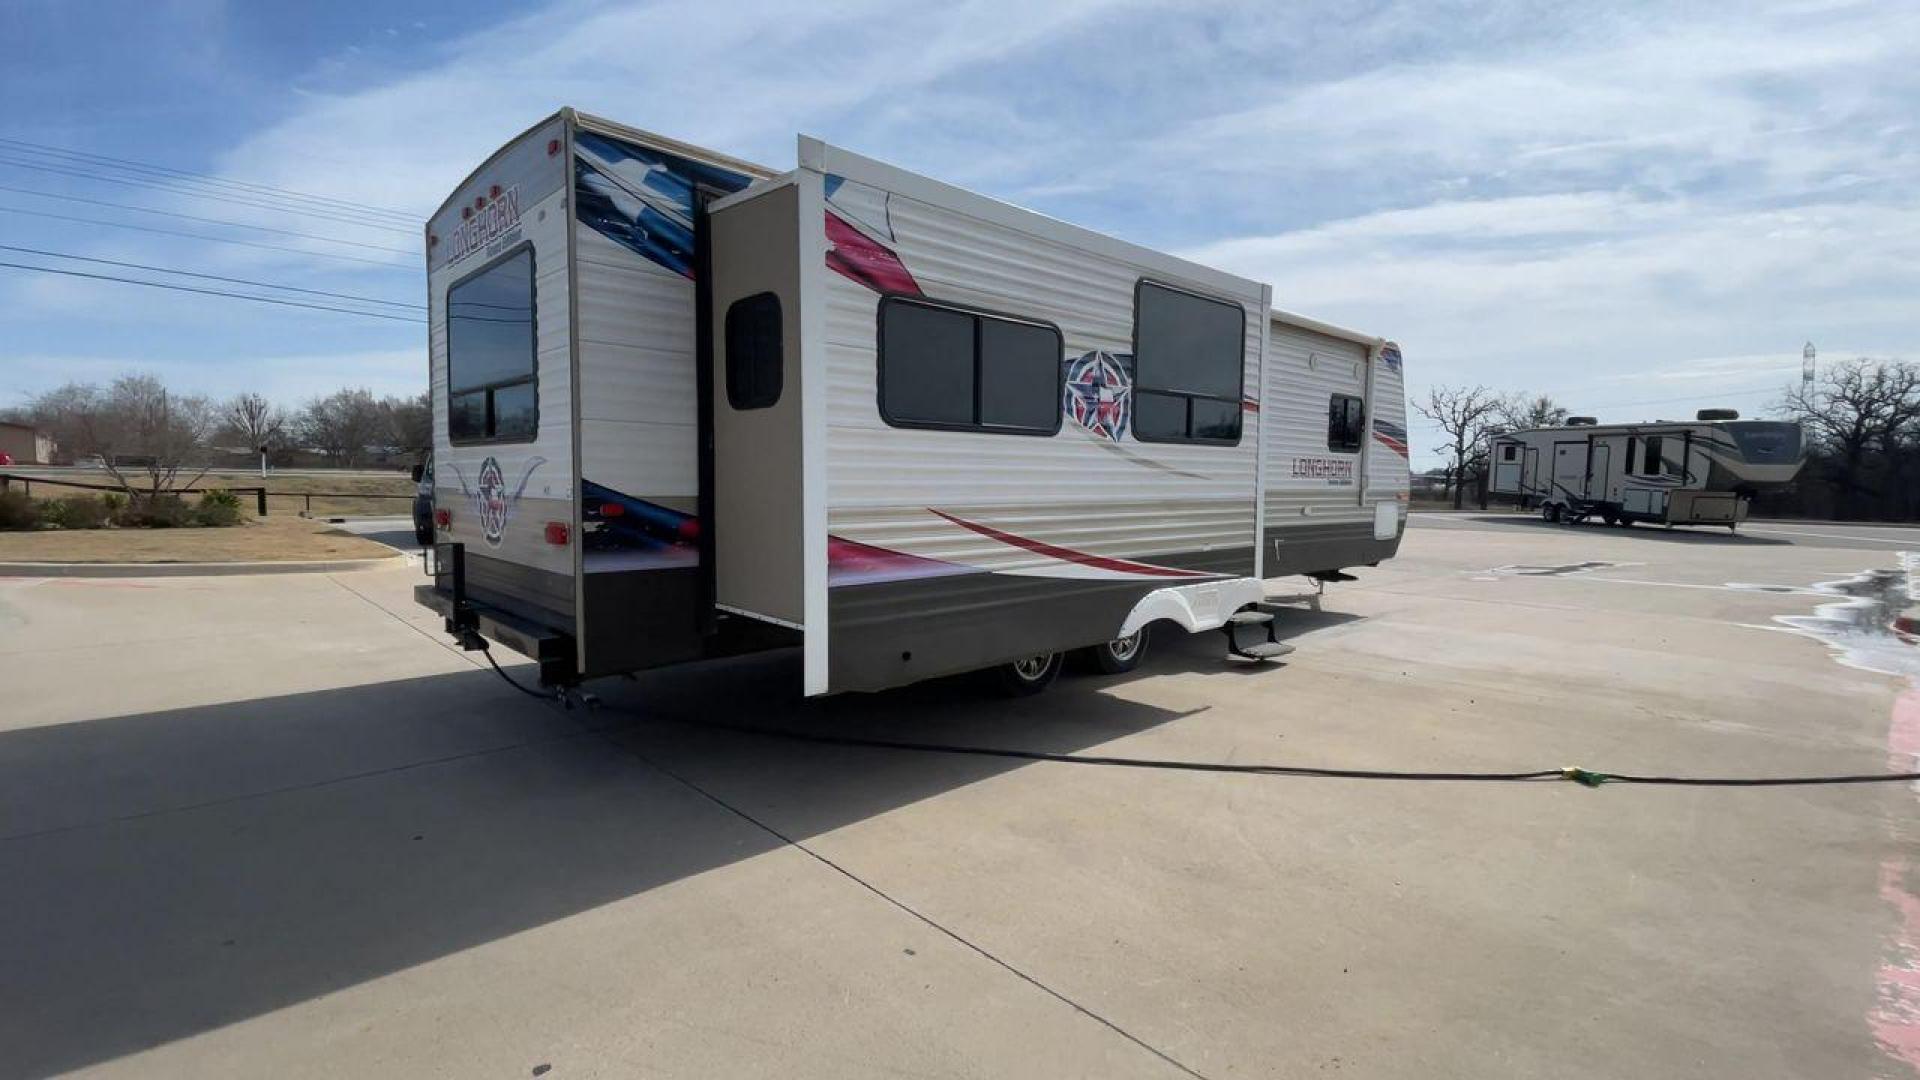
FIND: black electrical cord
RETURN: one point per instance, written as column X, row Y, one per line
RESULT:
column 1121, row 762
column 1585, row 777
column 511, row 681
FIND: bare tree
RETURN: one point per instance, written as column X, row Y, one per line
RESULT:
column 1466, row 416
column 1857, row 411
column 58, row 412
column 145, row 435
column 253, row 419
column 342, row 425
column 1519, row 412
column 409, row 422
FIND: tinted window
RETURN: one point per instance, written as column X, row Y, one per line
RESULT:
column 1508, row 451
column 754, row 352
column 516, row 413
column 1215, row 419
column 1346, row 423
column 1651, row 466
column 1019, row 375
column 467, row 416
column 490, row 353
column 949, row 367
column 926, row 364
column 1192, row 346
column 1159, row 417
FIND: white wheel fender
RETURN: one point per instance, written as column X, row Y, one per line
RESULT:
column 1195, row 607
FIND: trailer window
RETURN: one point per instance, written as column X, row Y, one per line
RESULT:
column 956, row 368
column 491, row 376
column 1508, row 451
column 1188, row 351
column 1346, row 423
column 755, row 359
column 1652, row 465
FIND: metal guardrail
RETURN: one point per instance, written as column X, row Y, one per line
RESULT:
column 260, row 493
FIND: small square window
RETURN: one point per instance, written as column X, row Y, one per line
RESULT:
column 755, row 352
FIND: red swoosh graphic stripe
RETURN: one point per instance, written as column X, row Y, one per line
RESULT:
column 1392, row 443
column 853, row 255
column 1054, row 551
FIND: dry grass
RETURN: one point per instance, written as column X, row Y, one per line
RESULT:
column 271, row 539
column 342, row 495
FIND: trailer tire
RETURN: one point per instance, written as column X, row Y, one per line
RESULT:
column 1116, row 657
column 1550, row 512
column 1027, row 675
column 1610, row 517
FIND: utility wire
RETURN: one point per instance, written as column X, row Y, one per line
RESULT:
column 204, row 178
column 129, row 181
column 195, row 217
column 199, row 236
column 213, row 292
column 1690, row 397
column 211, row 277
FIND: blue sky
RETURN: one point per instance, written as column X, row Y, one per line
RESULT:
column 1641, row 212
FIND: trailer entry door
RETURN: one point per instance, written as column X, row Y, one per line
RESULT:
column 758, row 528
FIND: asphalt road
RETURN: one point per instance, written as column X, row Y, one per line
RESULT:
column 276, row 826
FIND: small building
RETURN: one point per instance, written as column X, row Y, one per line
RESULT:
column 25, row 444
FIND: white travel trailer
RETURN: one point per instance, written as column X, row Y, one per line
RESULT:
column 1668, row 472
column 687, row 407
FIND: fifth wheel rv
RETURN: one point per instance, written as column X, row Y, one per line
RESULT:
column 687, row 407
column 1667, row 472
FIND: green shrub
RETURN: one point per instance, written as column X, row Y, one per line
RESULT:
column 156, row 512
column 76, row 512
column 17, row 511
column 218, row 508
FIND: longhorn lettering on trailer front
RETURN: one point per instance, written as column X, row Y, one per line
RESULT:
column 1337, row 472
column 488, row 220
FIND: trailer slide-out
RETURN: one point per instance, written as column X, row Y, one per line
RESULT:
column 1666, row 472
column 685, row 406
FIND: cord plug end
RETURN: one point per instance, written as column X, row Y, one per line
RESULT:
column 1583, row 777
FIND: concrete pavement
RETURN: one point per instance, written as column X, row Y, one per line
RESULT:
column 277, row 826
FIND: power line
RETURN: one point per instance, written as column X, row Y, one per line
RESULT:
column 1689, row 397
column 213, row 292
column 389, row 263
column 211, row 277
column 359, row 221
column 195, row 217
column 205, row 178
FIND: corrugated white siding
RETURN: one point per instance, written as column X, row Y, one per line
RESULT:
column 1304, row 370
column 1388, row 476
column 1123, row 499
column 637, row 389
column 546, row 462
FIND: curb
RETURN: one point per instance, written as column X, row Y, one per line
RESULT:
column 131, row 570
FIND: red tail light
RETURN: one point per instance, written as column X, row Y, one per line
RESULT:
column 611, row 509
column 553, row 147
column 557, row 532
column 443, row 518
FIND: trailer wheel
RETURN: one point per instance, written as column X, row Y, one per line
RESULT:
column 1027, row 675
column 1118, row 656
column 1550, row 511
column 1610, row 517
